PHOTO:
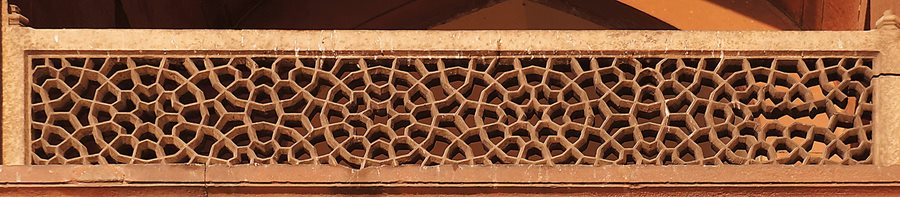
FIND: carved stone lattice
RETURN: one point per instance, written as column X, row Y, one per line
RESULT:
column 362, row 112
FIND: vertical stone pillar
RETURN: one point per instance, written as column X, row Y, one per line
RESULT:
column 14, row 78
column 887, row 120
column 4, row 21
column 887, row 92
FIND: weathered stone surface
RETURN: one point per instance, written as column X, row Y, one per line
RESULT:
column 711, row 42
column 317, row 175
column 14, row 72
column 102, row 174
column 18, row 41
column 179, row 180
column 103, row 191
column 888, row 135
column 888, row 60
column 430, row 190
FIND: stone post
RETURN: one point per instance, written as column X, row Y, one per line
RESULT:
column 887, row 80
column 13, row 90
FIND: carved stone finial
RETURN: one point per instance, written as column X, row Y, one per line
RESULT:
column 15, row 16
column 888, row 21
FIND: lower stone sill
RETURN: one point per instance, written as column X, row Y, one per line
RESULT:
column 449, row 175
column 504, row 180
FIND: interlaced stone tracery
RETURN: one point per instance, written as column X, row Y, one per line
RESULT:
column 481, row 110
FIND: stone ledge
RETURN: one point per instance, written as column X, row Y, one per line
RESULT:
column 452, row 191
column 67, row 174
column 431, row 40
column 444, row 176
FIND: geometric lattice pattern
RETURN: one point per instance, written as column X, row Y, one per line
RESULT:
column 362, row 112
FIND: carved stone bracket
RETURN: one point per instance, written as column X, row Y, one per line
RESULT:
column 888, row 21
column 15, row 16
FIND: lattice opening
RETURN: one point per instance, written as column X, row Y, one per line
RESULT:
column 360, row 112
